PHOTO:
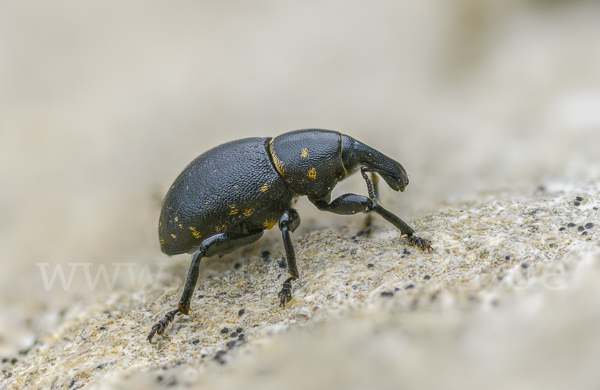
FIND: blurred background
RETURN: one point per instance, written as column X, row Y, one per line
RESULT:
column 102, row 105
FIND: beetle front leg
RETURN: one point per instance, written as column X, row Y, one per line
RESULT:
column 349, row 204
column 373, row 188
column 289, row 222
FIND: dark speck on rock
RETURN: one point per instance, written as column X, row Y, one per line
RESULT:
column 230, row 344
column 200, row 296
column 195, row 341
column 237, row 265
column 562, row 229
column 409, row 286
column 234, row 334
column 580, row 228
column 5, row 360
column 427, row 277
column 241, row 312
column 576, row 203
column 584, row 233
column 282, row 264
column 100, row 367
column 239, row 330
column 571, row 224
column 406, row 252
column 589, row 225
column 203, row 355
column 102, row 328
column 507, row 257
column 265, row 254
column 397, row 288
column 524, row 265
column 387, row 294
column 241, row 337
column 159, row 378
column 225, row 330
column 14, row 360
column 579, row 198
column 370, row 265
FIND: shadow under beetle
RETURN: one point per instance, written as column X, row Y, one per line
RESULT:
column 227, row 197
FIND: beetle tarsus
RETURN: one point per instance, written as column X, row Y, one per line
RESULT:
column 421, row 243
column 285, row 295
column 160, row 327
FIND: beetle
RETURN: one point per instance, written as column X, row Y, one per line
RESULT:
column 226, row 198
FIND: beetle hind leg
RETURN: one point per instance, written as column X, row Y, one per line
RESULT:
column 219, row 244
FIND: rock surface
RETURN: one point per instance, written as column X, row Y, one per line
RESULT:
column 509, row 297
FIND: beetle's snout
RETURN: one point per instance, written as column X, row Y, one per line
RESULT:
column 396, row 182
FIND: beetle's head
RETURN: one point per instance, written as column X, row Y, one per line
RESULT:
column 356, row 154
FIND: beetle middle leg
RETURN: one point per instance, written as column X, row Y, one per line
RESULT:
column 349, row 204
column 219, row 244
column 289, row 222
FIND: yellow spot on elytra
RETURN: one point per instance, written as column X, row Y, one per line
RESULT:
column 194, row 232
column 162, row 240
column 265, row 187
column 269, row 224
column 214, row 171
column 176, row 219
column 159, row 224
column 312, row 173
column 207, row 203
column 233, row 211
column 180, row 226
column 248, row 212
column 174, row 236
column 304, row 153
column 235, row 186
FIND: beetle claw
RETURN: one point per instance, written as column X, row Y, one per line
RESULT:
column 421, row 243
column 285, row 295
column 160, row 327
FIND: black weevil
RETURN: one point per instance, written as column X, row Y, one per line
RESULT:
column 227, row 197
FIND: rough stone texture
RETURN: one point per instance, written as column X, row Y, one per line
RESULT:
column 506, row 299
